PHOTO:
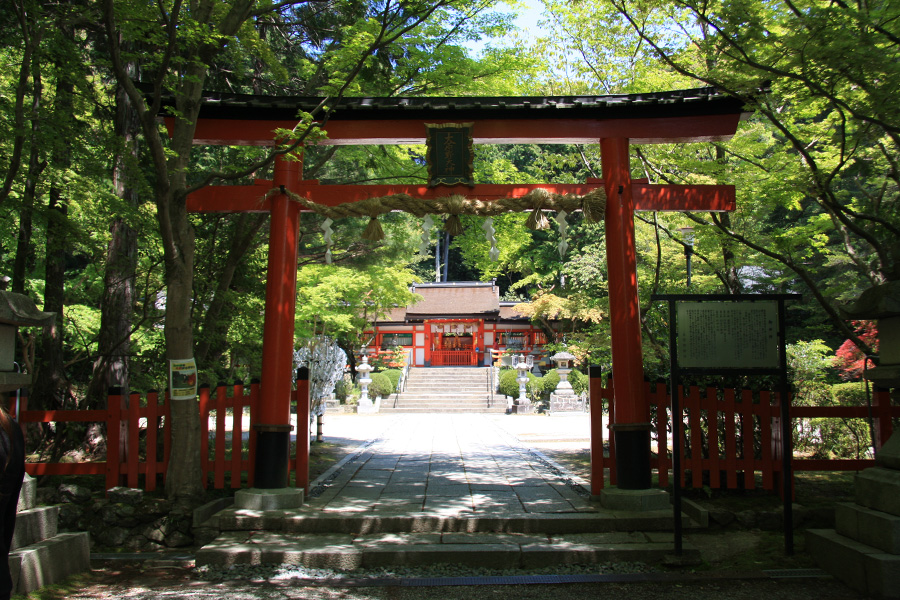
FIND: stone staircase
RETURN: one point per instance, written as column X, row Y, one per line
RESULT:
column 345, row 542
column 446, row 390
column 40, row 555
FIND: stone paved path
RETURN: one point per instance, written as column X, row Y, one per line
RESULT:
column 449, row 464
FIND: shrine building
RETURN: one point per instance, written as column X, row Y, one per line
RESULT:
column 458, row 323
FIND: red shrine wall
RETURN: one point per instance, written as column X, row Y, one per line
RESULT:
column 459, row 342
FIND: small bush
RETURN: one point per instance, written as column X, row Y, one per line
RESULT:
column 852, row 393
column 394, row 375
column 381, row 385
column 508, row 385
column 346, row 391
column 580, row 382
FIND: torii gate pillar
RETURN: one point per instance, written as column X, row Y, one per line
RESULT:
column 273, row 425
column 632, row 415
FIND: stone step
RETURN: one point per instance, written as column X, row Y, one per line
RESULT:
column 419, row 410
column 492, row 550
column 236, row 519
column 444, row 406
column 454, row 385
column 448, row 405
column 871, row 527
column 49, row 561
column 449, row 381
column 445, row 396
column 863, row 567
column 440, row 400
column 446, row 392
column 35, row 525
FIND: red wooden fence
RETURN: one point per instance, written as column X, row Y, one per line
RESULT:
column 742, row 440
column 742, row 436
column 139, row 437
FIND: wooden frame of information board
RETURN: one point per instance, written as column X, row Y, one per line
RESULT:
column 722, row 334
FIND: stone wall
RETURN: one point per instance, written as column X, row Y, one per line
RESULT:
column 125, row 519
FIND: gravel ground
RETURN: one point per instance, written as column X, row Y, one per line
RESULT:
column 134, row 582
column 286, row 572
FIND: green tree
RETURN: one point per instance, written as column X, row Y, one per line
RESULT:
column 343, row 302
column 823, row 146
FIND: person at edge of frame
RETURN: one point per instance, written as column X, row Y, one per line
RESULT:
column 12, row 463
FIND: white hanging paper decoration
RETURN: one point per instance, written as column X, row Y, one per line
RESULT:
column 489, row 232
column 562, row 226
column 326, row 227
column 425, row 243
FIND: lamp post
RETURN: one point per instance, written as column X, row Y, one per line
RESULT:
column 688, row 234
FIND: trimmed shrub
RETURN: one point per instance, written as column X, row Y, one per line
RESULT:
column 381, row 385
column 346, row 391
column 394, row 375
column 508, row 385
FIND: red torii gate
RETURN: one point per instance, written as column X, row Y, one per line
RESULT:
column 615, row 122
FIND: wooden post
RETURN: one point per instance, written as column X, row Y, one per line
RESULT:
column 152, row 442
column 302, row 394
column 113, row 436
column 595, row 390
column 133, row 438
column 219, row 473
column 205, row 406
column 237, row 433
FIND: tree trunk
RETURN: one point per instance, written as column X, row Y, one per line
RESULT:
column 50, row 390
column 243, row 236
column 116, row 305
column 24, row 260
column 183, row 482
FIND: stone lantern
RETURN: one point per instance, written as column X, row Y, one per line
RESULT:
column 365, row 406
column 16, row 311
column 523, row 365
column 564, row 399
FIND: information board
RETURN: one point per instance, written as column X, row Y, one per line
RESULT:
column 727, row 335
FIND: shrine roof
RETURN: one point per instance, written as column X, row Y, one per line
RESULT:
column 508, row 312
column 455, row 299
column 696, row 101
